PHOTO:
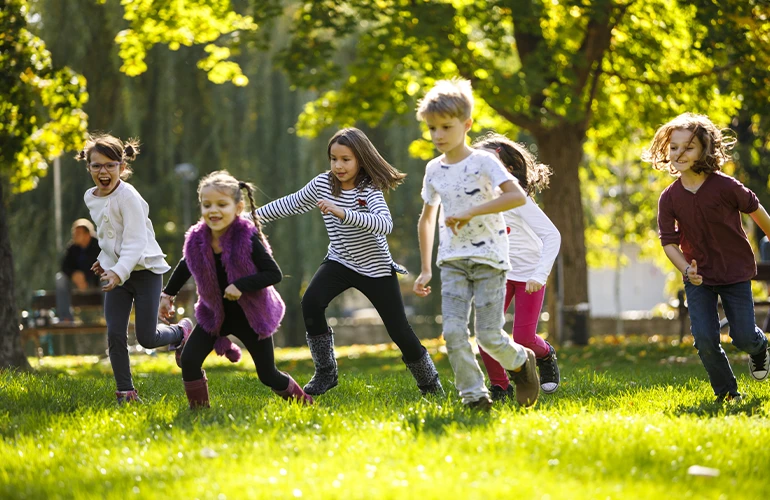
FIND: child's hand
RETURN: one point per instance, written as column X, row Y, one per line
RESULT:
column 166, row 309
column 692, row 274
column 232, row 292
column 421, row 288
column 110, row 280
column 457, row 222
column 532, row 286
column 327, row 207
column 97, row 268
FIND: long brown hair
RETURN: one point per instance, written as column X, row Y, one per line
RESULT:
column 111, row 147
column 532, row 176
column 373, row 169
column 715, row 142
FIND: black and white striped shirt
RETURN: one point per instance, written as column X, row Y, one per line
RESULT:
column 358, row 241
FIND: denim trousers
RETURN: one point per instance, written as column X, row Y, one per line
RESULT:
column 465, row 282
column 738, row 304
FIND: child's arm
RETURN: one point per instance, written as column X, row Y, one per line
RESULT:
column 549, row 235
column 513, row 196
column 179, row 277
column 762, row 219
column 690, row 271
column 268, row 273
column 426, row 230
column 134, row 239
column 376, row 221
column 297, row 203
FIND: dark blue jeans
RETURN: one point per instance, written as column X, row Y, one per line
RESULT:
column 738, row 304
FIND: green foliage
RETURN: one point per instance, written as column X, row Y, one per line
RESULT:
column 630, row 419
column 41, row 105
column 189, row 23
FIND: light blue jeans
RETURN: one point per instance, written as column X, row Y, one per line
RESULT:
column 464, row 282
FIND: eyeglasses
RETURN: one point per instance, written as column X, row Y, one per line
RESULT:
column 110, row 166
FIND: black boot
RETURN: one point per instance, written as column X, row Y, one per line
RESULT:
column 322, row 351
column 424, row 372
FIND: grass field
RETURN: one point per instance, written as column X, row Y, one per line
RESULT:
column 630, row 419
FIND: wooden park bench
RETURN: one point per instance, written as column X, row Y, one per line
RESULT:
column 89, row 318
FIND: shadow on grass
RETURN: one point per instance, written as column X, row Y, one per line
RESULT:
column 749, row 406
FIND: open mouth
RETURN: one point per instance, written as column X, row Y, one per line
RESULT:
column 105, row 181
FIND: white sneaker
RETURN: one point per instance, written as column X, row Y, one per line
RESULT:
column 759, row 365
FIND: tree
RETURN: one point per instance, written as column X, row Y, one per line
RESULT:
column 42, row 116
column 564, row 72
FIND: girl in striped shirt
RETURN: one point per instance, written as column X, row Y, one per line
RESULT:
column 357, row 220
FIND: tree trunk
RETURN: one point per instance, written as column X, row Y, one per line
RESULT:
column 561, row 147
column 11, row 353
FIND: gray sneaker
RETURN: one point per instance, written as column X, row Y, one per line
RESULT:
column 759, row 365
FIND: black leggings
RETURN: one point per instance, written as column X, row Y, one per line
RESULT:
column 332, row 278
column 200, row 344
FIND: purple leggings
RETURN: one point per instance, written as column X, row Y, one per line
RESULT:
column 525, row 317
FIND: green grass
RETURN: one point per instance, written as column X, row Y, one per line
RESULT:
column 629, row 420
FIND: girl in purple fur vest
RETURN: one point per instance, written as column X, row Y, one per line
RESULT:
column 231, row 262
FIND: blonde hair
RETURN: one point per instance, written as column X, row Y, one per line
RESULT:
column 373, row 169
column 452, row 98
column 532, row 176
column 111, row 147
column 715, row 144
column 224, row 182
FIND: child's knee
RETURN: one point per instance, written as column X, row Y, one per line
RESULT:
column 492, row 340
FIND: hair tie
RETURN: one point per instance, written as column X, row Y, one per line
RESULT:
column 498, row 149
column 242, row 185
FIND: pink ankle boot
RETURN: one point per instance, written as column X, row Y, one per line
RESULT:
column 294, row 392
column 197, row 392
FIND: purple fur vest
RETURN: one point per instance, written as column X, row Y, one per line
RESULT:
column 264, row 308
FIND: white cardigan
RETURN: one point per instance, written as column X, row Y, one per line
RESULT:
column 125, row 232
column 533, row 243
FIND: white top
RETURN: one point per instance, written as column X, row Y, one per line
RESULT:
column 125, row 232
column 459, row 186
column 358, row 241
column 533, row 243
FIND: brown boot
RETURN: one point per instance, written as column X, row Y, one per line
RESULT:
column 526, row 381
column 294, row 393
column 198, row 392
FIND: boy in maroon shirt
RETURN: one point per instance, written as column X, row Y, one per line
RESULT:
column 699, row 220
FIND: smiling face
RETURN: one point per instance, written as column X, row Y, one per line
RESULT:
column 219, row 209
column 683, row 152
column 344, row 165
column 447, row 132
column 105, row 172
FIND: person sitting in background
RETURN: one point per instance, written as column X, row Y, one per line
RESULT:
column 81, row 253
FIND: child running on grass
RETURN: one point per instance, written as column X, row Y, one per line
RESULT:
column 357, row 220
column 231, row 262
column 533, row 243
column 131, row 263
column 473, row 247
column 699, row 220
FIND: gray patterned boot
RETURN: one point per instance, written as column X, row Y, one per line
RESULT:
column 322, row 351
column 424, row 372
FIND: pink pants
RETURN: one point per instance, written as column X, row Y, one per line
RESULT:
column 525, row 316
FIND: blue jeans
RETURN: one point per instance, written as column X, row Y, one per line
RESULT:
column 465, row 282
column 738, row 304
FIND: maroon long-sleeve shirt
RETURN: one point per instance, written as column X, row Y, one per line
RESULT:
column 707, row 227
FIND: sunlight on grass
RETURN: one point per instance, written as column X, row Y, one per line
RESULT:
column 630, row 419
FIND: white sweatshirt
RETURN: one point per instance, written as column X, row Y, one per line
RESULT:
column 533, row 243
column 125, row 232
